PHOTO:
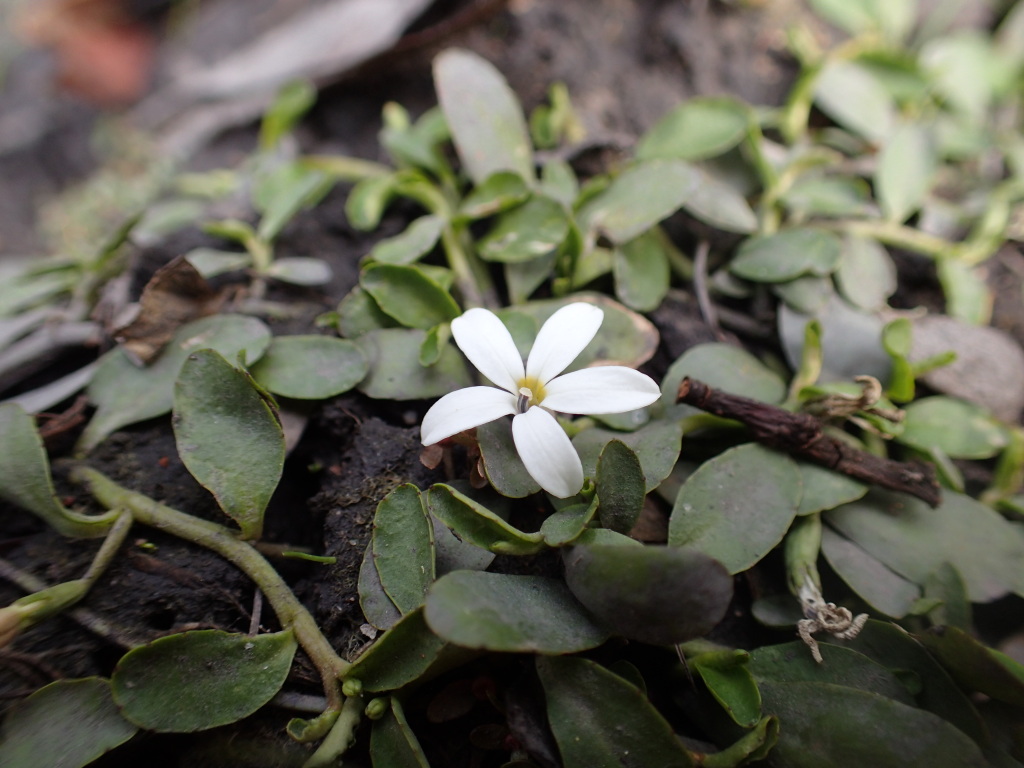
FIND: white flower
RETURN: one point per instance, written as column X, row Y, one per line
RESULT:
column 531, row 393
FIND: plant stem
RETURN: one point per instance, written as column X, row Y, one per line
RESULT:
column 340, row 737
column 470, row 275
column 290, row 612
column 897, row 235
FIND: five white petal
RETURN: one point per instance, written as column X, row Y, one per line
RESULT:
column 542, row 444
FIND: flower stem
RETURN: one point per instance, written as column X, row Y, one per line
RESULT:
column 340, row 736
column 290, row 612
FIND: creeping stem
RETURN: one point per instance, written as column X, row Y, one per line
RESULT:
column 290, row 612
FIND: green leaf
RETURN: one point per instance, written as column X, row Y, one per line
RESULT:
column 526, row 232
column 392, row 742
column 198, row 680
column 913, row 540
column 292, row 101
column 960, row 429
column 474, row 523
column 653, row 594
column 891, row 646
column 884, row 590
column 716, row 513
column 434, row 344
column 210, row 262
column 26, row 483
column 974, row 666
column 517, row 614
column 300, row 270
column 403, row 547
column 310, row 367
column 374, row 601
column 788, row 254
column 496, row 194
column 283, row 193
column 558, row 181
column 720, row 205
column 484, row 116
column 408, row 295
column 826, row 489
column 621, row 488
column 727, row 678
column 967, row 293
column 835, row 196
column 601, row 721
column 726, row 367
column 125, row 394
column 568, row 523
column 697, row 129
column 842, row 666
column 395, row 372
column 399, row 656
column 359, row 313
column 903, row 175
column 502, row 465
column 656, row 445
column 641, row 273
column 831, row 725
column 754, row 745
column 808, row 294
column 368, row 200
column 66, row 724
column 897, row 342
column 228, row 437
column 866, row 276
column 640, row 197
column 418, row 239
column 852, row 96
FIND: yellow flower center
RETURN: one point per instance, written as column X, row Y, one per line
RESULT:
column 531, row 392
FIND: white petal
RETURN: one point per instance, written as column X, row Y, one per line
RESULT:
column 463, row 409
column 485, row 340
column 602, row 389
column 562, row 338
column 547, row 452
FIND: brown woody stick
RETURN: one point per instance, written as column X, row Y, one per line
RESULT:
column 800, row 434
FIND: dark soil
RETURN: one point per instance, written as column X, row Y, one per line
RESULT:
column 626, row 64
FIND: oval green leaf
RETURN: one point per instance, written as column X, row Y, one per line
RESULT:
column 484, row 116
column 885, row 591
column 392, row 742
column 26, row 483
column 399, row 656
column 526, row 232
column 903, row 175
column 310, row 367
column 697, row 129
column 498, row 193
column 300, row 270
column 403, row 547
column 395, row 372
column 374, row 601
column 502, row 465
column 737, row 507
column 727, row 678
column 653, row 594
column 641, row 273
column 228, row 437
column 959, row 429
column 599, row 720
column 568, row 523
column 853, row 97
column 418, row 239
column 656, row 445
column 787, row 255
column 125, row 394
column 474, row 523
column 517, row 614
column 198, row 680
column 408, row 295
column 639, row 198
column 915, row 540
column 66, row 724
column 621, row 487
